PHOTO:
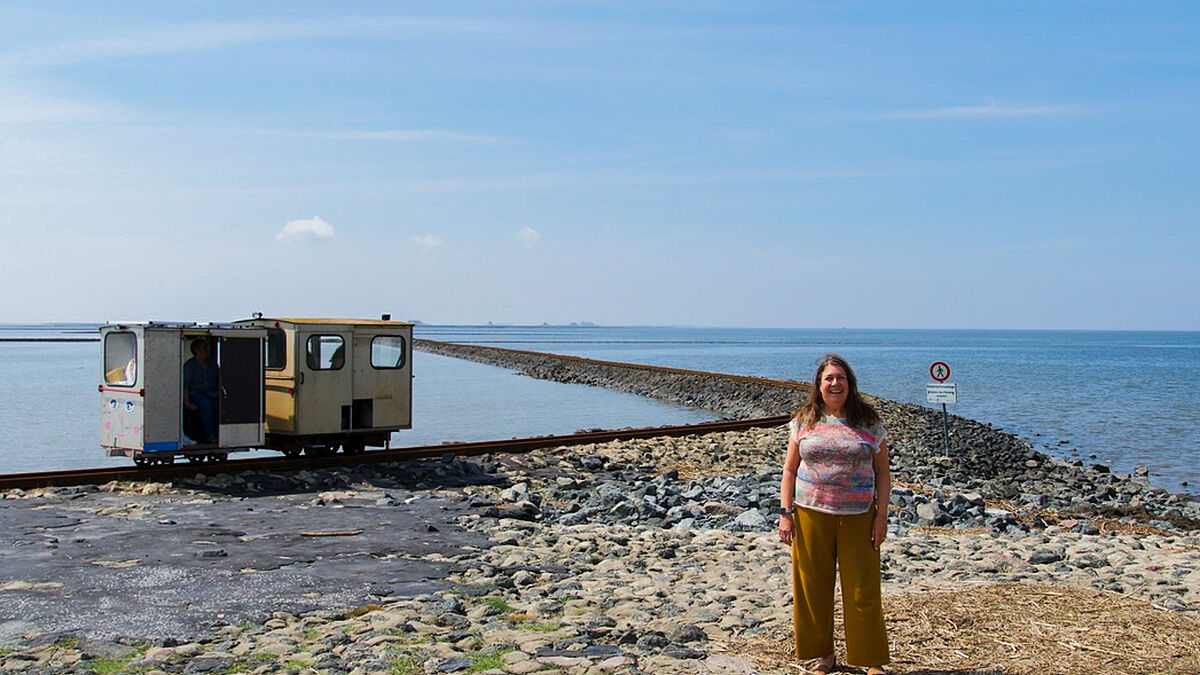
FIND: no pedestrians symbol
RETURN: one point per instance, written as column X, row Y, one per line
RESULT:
column 939, row 371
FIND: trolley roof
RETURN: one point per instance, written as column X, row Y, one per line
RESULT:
column 327, row 321
column 178, row 325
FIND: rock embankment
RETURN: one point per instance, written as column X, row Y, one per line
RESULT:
column 733, row 397
column 641, row 556
column 981, row 460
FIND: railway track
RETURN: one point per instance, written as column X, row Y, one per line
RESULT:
column 277, row 464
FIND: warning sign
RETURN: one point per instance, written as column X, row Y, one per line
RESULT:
column 942, row 392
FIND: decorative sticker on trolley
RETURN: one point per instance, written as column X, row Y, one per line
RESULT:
column 112, row 403
column 128, row 406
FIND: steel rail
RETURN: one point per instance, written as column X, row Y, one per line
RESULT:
column 40, row 479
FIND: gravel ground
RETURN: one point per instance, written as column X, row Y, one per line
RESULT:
column 488, row 566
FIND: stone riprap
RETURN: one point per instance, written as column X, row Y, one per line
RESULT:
column 729, row 397
column 729, row 482
column 980, row 459
column 547, row 572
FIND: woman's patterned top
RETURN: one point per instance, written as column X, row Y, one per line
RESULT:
column 836, row 474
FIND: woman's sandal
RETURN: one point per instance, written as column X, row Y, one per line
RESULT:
column 821, row 666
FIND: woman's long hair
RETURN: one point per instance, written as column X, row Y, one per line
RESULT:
column 858, row 413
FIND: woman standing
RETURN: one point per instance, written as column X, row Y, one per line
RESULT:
column 834, row 499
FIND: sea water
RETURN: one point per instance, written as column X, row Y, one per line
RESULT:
column 1124, row 399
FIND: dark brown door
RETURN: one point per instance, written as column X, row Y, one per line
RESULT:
column 241, row 380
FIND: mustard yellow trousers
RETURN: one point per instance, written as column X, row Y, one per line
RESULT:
column 825, row 545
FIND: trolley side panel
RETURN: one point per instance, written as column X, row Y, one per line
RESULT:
column 121, row 377
column 280, row 381
column 281, row 404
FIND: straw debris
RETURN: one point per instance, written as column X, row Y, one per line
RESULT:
column 696, row 470
column 1016, row 629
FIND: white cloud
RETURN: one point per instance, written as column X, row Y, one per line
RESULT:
column 427, row 242
column 528, row 236
column 988, row 110
column 296, row 230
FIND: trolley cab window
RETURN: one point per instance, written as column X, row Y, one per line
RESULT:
column 387, row 351
column 325, row 352
column 120, row 359
column 276, row 346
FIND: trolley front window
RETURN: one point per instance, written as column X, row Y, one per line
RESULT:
column 120, row 359
column 276, row 349
column 326, row 352
column 387, row 351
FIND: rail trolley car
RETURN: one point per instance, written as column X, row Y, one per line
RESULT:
column 335, row 382
column 291, row 385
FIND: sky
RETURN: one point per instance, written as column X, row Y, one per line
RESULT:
column 1027, row 165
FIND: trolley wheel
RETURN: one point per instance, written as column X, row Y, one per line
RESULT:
column 141, row 462
column 218, row 457
column 197, row 459
column 354, row 447
column 169, row 459
column 292, row 453
column 320, row 450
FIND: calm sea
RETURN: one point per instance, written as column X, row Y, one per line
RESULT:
column 1129, row 398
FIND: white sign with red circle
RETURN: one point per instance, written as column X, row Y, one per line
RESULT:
column 940, row 371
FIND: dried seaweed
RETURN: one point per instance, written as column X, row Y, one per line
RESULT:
column 1016, row 629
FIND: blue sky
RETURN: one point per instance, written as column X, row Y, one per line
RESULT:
column 797, row 164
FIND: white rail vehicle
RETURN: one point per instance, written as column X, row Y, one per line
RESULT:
column 142, row 412
column 292, row 385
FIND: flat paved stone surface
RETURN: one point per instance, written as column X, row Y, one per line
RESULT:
column 105, row 565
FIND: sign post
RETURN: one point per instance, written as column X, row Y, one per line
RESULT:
column 943, row 392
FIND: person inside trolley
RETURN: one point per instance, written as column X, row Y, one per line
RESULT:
column 201, row 380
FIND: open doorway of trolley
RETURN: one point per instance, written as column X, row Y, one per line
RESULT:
column 220, row 388
column 175, row 389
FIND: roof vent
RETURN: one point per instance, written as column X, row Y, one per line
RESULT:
column 386, row 317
